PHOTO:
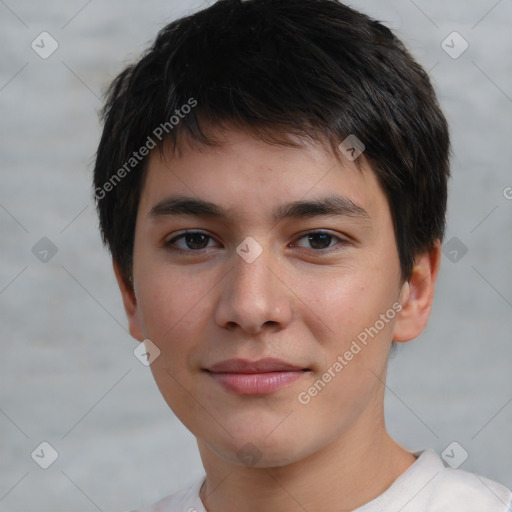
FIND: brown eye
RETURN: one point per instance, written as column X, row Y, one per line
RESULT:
column 196, row 240
column 320, row 240
column 191, row 241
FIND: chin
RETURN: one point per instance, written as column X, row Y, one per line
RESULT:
column 259, row 450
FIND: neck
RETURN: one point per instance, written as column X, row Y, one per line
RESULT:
column 342, row 476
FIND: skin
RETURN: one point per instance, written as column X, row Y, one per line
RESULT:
column 301, row 301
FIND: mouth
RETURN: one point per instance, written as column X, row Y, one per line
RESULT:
column 260, row 377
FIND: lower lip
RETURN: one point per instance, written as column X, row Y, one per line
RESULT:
column 256, row 383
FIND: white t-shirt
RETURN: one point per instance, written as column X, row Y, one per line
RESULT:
column 426, row 486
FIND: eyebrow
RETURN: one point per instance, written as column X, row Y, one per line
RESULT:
column 331, row 205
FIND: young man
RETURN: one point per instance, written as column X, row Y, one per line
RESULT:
column 271, row 182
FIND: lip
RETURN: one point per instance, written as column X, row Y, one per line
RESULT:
column 268, row 364
column 260, row 377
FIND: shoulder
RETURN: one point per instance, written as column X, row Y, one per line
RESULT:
column 456, row 489
column 446, row 489
column 429, row 486
column 186, row 500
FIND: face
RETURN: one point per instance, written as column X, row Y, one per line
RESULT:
column 294, row 258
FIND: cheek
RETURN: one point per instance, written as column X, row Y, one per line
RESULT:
column 341, row 304
column 345, row 320
column 174, row 309
column 169, row 296
column 355, row 343
column 175, row 312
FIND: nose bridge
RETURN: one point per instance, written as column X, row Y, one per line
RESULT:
column 253, row 295
column 253, row 273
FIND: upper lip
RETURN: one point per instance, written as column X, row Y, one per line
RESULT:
column 268, row 364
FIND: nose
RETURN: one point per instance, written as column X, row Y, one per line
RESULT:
column 254, row 296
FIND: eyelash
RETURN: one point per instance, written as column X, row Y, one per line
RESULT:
column 169, row 244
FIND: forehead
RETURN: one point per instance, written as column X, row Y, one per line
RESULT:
column 246, row 176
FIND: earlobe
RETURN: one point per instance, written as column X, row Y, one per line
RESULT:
column 129, row 302
column 417, row 296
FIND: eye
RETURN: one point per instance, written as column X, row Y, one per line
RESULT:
column 191, row 241
column 320, row 240
column 196, row 241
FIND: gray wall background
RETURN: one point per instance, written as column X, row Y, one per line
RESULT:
column 68, row 374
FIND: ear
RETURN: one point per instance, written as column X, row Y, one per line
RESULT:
column 130, row 304
column 417, row 296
